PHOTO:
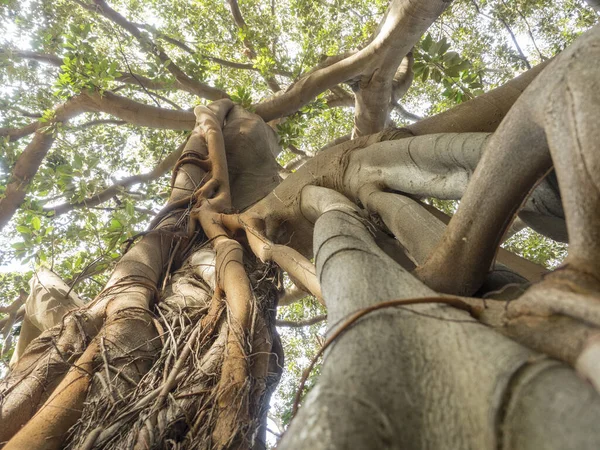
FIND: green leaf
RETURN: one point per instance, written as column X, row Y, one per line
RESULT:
column 427, row 42
column 451, row 58
column 36, row 223
column 23, row 229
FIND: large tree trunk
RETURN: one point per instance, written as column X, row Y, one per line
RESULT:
column 143, row 365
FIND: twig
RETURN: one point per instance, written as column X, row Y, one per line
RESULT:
column 301, row 323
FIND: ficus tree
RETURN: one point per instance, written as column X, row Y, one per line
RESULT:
column 175, row 172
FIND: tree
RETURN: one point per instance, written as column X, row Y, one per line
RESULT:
column 436, row 338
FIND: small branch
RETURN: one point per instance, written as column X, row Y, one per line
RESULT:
column 108, row 193
column 510, row 32
column 292, row 148
column 185, row 82
column 222, row 62
column 14, row 134
column 296, row 163
column 19, row 314
column 15, row 305
column 53, row 60
column 529, row 32
column 301, row 323
column 406, row 114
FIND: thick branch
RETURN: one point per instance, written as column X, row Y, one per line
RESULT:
column 402, row 27
column 30, row 159
column 139, row 114
column 387, row 85
column 185, row 82
column 483, row 113
column 238, row 18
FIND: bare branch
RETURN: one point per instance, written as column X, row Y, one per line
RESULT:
column 301, row 323
column 30, row 159
column 184, row 82
column 238, row 18
column 510, row 32
column 108, row 193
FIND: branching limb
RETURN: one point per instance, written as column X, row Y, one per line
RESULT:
column 291, row 295
column 108, row 193
column 30, row 159
column 222, row 62
column 140, row 114
column 184, row 81
column 403, row 25
column 390, row 73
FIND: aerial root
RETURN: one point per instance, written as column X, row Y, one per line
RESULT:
column 559, row 316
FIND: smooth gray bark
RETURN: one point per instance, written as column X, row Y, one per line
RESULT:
column 425, row 376
column 441, row 166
